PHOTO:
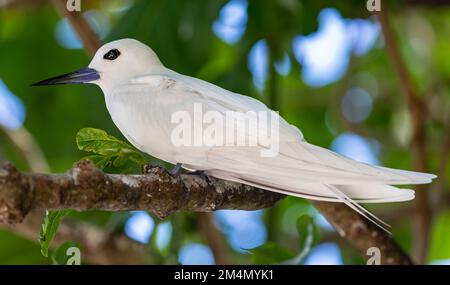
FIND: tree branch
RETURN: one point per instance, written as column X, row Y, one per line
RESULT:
column 362, row 234
column 214, row 237
column 86, row 188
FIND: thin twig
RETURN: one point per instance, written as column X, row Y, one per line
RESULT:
column 22, row 139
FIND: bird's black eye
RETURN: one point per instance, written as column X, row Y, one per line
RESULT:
column 112, row 54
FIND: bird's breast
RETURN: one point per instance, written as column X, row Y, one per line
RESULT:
column 143, row 122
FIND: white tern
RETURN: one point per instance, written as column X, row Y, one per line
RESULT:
column 142, row 95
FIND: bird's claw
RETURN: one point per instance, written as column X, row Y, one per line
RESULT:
column 201, row 173
column 176, row 170
column 158, row 169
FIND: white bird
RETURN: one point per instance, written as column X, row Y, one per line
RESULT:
column 141, row 96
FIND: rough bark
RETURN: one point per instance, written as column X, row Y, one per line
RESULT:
column 85, row 187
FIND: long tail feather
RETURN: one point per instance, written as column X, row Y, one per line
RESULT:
column 359, row 209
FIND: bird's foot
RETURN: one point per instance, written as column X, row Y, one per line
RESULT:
column 176, row 170
column 158, row 169
column 200, row 173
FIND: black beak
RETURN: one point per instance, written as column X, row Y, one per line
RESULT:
column 83, row 75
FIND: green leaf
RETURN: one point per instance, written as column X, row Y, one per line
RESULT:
column 120, row 161
column 100, row 142
column 107, row 149
column 99, row 160
column 60, row 256
column 270, row 253
column 49, row 228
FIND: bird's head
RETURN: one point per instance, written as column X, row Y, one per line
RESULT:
column 113, row 63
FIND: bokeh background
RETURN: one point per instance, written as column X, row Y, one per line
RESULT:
column 323, row 64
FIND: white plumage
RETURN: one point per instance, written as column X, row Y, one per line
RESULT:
column 141, row 95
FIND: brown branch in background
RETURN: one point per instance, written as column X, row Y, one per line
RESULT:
column 418, row 142
column 25, row 143
column 215, row 239
column 439, row 186
column 87, row 35
column 361, row 234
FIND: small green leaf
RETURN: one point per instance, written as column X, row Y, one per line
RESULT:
column 99, row 142
column 270, row 253
column 60, row 256
column 49, row 228
column 99, row 160
column 107, row 149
